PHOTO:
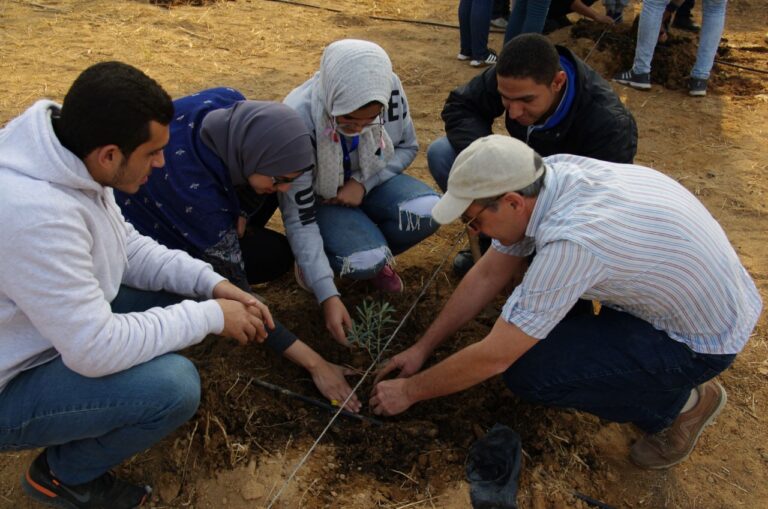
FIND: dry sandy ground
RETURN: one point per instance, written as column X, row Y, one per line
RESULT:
column 244, row 442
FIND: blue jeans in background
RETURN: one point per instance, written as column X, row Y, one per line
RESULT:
column 713, row 20
column 527, row 16
column 474, row 25
column 90, row 425
column 615, row 366
column 393, row 217
column 440, row 157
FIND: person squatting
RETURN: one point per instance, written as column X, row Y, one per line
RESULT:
column 153, row 229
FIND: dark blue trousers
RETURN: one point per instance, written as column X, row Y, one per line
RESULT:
column 615, row 366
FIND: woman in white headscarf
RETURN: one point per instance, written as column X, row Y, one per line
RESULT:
column 357, row 209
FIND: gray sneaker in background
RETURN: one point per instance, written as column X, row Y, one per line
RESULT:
column 697, row 87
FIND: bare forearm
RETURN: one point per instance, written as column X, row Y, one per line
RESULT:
column 300, row 353
column 472, row 365
column 460, row 371
column 481, row 284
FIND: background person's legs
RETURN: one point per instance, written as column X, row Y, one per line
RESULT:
column 684, row 17
column 465, row 28
column 480, row 20
column 648, row 34
column 440, row 158
column 615, row 366
column 712, row 23
column 527, row 16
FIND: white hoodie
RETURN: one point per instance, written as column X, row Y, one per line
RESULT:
column 65, row 249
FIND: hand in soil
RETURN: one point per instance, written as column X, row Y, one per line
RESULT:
column 390, row 397
column 329, row 379
column 337, row 319
column 408, row 361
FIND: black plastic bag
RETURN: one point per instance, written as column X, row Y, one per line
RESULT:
column 493, row 467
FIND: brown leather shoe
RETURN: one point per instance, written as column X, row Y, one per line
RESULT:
column 674, row 444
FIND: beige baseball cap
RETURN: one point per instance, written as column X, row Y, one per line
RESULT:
column 489, row 167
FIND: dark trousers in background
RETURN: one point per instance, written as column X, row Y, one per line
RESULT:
column 500, row 9
column 474, row 25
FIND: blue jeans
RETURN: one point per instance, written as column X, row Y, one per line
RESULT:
column 393, row 217
column 527, row 16
column 615, row 366
column 90, row 425
column 713, row 20
column 474, row 24
column 440, row 157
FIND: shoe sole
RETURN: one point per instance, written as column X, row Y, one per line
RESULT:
column 633, row 84
column 35, row 492
column 697, row 93
column 695, row 441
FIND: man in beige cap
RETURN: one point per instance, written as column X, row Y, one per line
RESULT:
column 677, row 305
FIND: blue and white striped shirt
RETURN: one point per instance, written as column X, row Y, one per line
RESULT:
column 637, row 241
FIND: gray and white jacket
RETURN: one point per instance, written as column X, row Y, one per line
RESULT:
column 298, row 206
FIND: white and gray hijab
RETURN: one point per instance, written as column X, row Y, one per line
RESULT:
column 352, row 73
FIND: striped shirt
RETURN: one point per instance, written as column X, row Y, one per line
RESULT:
column 639, row 242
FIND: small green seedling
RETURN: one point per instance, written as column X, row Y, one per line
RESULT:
column 371, row 329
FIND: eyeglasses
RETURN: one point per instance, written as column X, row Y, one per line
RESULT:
column 471, row 222
column 282, row 179
column 378, row 121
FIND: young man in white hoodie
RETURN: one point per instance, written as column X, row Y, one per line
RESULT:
column 85, row 368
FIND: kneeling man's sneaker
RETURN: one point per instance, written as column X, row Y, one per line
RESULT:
column 674, row 444
column 641, row 81
column 105, row 492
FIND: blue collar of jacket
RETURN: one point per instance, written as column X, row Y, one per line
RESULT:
column 565, row 102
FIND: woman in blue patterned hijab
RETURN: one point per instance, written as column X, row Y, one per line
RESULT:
column 226, row 159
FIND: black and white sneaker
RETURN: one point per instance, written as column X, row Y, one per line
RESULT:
column 489, row 60
column 640, row 81
column 697, row 87
column 105, row 492
column 461, row 56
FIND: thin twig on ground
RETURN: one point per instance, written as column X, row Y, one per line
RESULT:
column 186, row 455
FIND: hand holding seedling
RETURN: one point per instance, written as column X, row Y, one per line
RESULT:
column 337, row 319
